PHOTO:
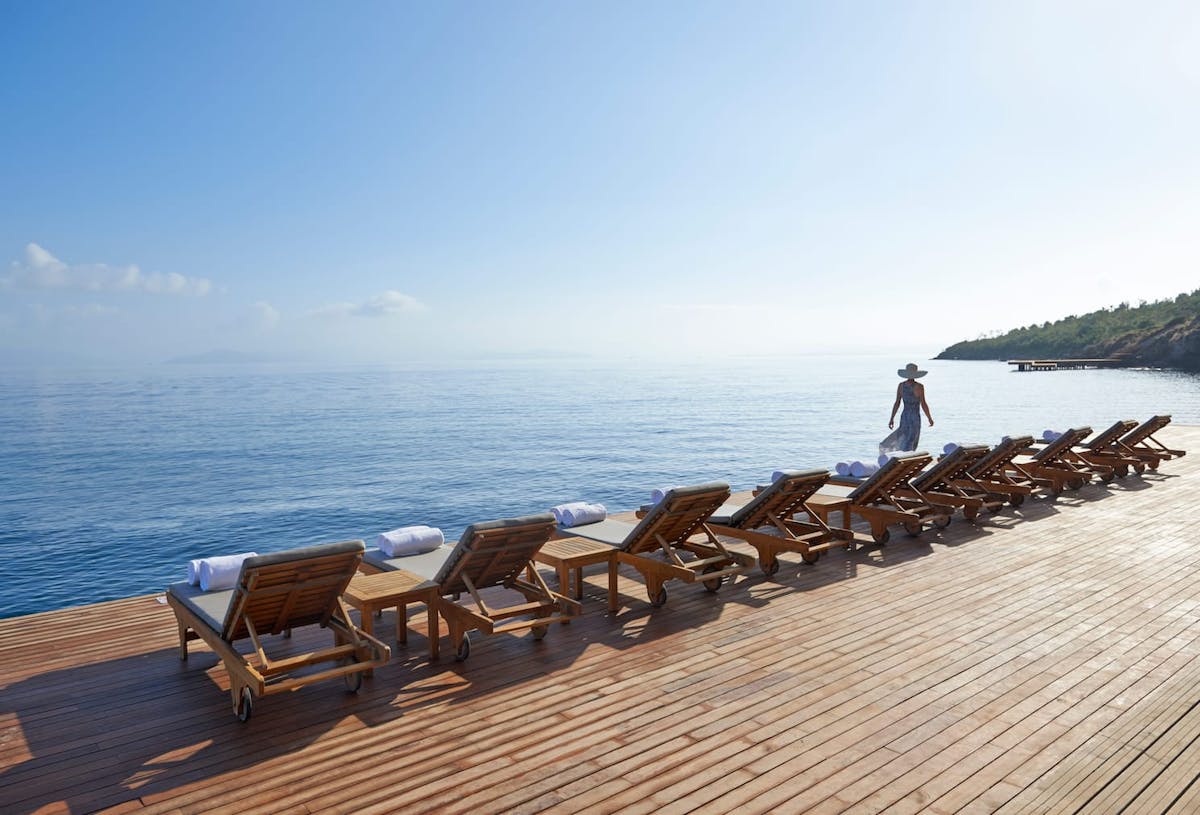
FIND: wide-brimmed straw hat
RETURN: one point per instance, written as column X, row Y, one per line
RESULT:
column 910, row 371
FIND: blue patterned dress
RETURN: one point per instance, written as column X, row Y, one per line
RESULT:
column 907, row 434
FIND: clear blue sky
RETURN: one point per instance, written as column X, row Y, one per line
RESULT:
column 415, row 181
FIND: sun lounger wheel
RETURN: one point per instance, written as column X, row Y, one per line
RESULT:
column 1139, row 468
column 1122, row 471
column 1016, row 500
column 539, row 631
column 245, row 706
column 808, row 557
column 1107, row 478
column 712, row 585
column 659, row 600
column 770, row 569
column 353, row 680
column 943, row 521
column 1075, row 483
column 912, row 528
column 464, row 649
column 882, row 537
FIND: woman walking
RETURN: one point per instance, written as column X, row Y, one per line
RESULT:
column 912, row 393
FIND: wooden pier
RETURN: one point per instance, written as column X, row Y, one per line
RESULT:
column 1045, row 661
column 1064, row 364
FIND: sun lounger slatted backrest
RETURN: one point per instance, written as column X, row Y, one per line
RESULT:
column 888, row 478
column 1001, row 456
column 676, row 517
column 290, row 589
column 1145, row 430
column 1055, row 450
column 275, row 593
column 783, row 498
column 954, row 465
column 1109, row 437
column 494, row 553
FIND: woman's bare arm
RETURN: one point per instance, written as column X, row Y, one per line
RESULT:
column 924, row 405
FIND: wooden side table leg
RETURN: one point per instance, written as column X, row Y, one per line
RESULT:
column 434, row 632
column 612, row 585
column 402, row 623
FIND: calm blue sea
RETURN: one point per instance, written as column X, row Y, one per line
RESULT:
column 111, row 480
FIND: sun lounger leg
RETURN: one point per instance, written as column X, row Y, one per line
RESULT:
column 655, row 589
column 879, row 531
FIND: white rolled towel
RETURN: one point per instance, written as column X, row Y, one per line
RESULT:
column 586, row 514
column 842, row 468
column 858, row 469
column 559, row 512
column 949, row 448
column 410, row 540
column 656, row 496
column 194, row 572
column 219, row 573
column 1050, row 435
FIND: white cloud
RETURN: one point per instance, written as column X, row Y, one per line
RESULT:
column 82, row 311
column 42, row 270
column 389, row 304
column 264, row 316
column 91, row 310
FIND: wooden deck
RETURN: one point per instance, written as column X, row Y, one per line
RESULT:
column 1044, row 662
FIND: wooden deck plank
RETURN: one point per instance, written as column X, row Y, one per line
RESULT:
column 1043, row 661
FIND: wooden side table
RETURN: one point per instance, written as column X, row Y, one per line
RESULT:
column 567, row 555
column 370, row 593
column 822, row 506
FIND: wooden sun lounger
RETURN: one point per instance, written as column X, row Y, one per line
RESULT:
column 1142, row 443
column 1075, row 455
column 672, row 542
column 274, row 594
column 887, row 498
column 495, row 553
column 768, row 521
column 1106, row 448
column 998, row 472
column 1058, row 463
column 949, row 482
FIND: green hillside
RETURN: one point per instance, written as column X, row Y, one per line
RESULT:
column 1161, row 334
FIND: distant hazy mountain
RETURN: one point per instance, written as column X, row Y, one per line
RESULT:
column 37, row 358
column 218, row 357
